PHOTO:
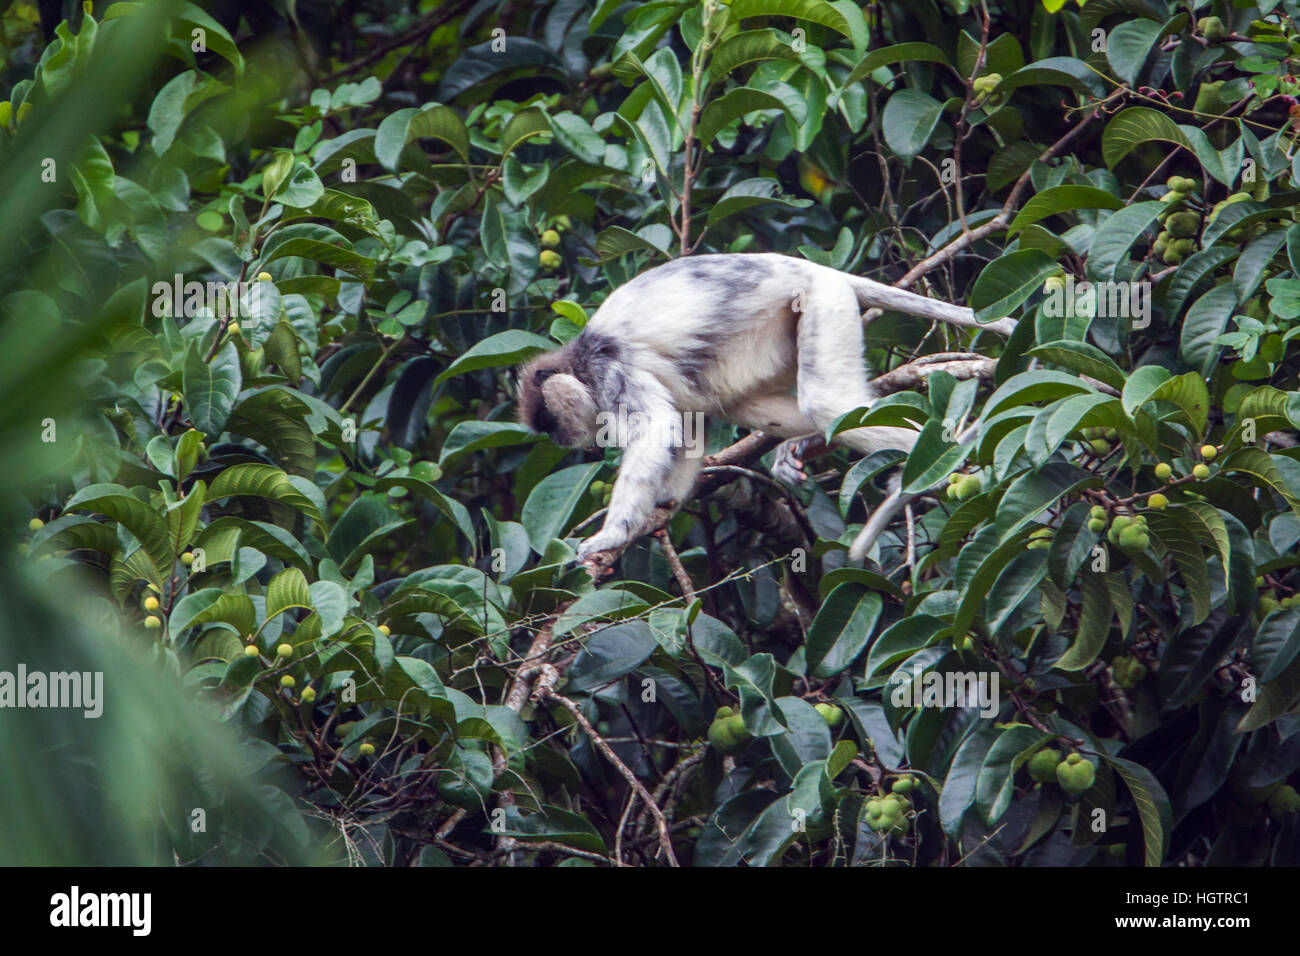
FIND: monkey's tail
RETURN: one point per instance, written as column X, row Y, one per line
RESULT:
column 877, row 295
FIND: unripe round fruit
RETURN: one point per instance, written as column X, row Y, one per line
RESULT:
column 1097, row 525
column 1171, row 257
column 1054, row 284
column 904, row 785
column 151, row 603
column 233, row 328
column 1212, row 28
column 250, row 650
column 384, row 630
column 1097, row 512
column 563, row 222
column 955, row 477
column 1201, row 472
column 1134, row 538
column 1173, row 196
column 1209, row 452
column 187, row 558
column 550, row 259
column 153, row 622
column 308, row 694
column 284, row 650
column 1042, row 765
column 287, row 680
column 968, row 487
column 550, row 238
column 1268, row 604
column 1075, row 776
column 1100, row 447
column 1163, row 471
column 264, row 277
column 1158, row 501
column 831, row 714
column 366, row 749
column 1182, row 225
column 36, row 524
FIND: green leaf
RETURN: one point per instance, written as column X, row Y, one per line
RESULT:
column 1095, row 613
column 736, row 103
column 1135, row 126
column 1008, row 281
column 505, row 348
column 1063, row 199
column 1205, row 321
column 1116, row 235
column 546, row 512
column 211, row 387
column 1081, row 357
column 910, row 119
column 898, row 53
column 841, row 629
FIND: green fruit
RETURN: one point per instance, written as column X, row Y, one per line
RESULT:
column 550, row 238
column 1100, row 447
column 1173, row 196
column 831, row 714
column 1158, row 502
column 1184, row 247
column 968, row 487
column 955, row 477
column 151, row 603
column 251, row 650
column 1054, row 284
column 1171, row 257
column 264, row 277
column 284, row 650
column 904, row 785
column 1282, row 801
column 1212, row 28
column 563, row 222
column 1042, row 765
column 1209, row 452
column 153, row 622
column 308, row 694
column 187, row 558
column 367, row 749
column 1097, row 511
column 1097, row 525
column 1183, row 224
column 1201, row 472
column 1075, row 776
column 287, row 680
column 36, row 524
column 209, row 220
column 1163, row 471
column 550, row 259
column 1134, row 538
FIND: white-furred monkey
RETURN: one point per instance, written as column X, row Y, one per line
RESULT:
column 769, row 342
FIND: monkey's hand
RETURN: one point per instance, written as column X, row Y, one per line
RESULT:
column 788, row 463
column 599, row 552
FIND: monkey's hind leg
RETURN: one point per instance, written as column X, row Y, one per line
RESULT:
column 832, row 376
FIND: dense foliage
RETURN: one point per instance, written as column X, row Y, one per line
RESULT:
column 320, row 518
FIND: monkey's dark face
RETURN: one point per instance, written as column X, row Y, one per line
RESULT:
column 555, row 403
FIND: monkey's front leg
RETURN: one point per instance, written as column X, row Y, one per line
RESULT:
column 650, row 468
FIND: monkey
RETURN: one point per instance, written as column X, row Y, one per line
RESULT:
column 765, row 341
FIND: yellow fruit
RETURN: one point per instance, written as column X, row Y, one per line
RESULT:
column 550, row 259
column 1209, row 452
column 550, row 238
column 153, row 622
column 151, row 603
column 250, row 650
column 287, row 680
column 366, row 749
column 1201, row 472
column 384, row 630
column 264, row 277
column 36, row 524
column 308, row 694
column 284, row 650
column 1158, row 501
column 233, row 328
column 187, row 558
column 1163, row 471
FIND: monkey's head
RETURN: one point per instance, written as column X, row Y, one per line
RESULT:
column 554, row 401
